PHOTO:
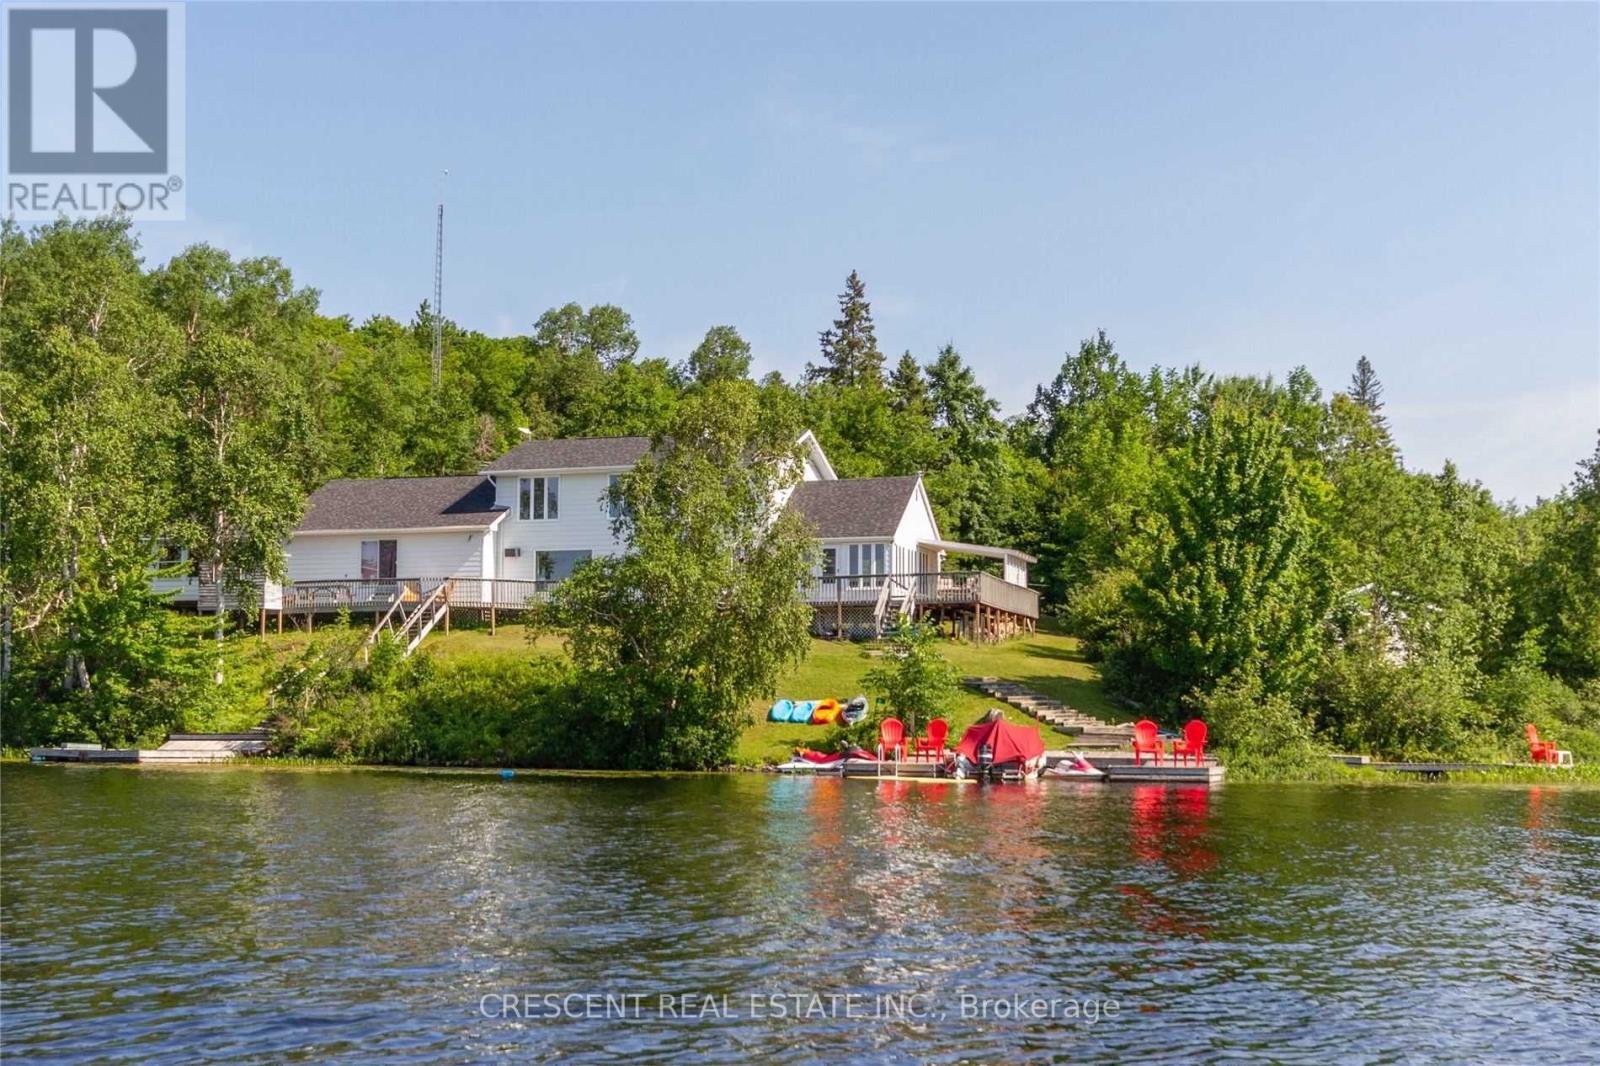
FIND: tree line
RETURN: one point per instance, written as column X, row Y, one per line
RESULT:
column 1247, row 548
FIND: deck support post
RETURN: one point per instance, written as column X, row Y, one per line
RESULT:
column 309, row 622
column 263, row 623
column 491, row 606
column 838, row 610
column 280, row 621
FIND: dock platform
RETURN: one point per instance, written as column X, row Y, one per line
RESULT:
column 179, row 749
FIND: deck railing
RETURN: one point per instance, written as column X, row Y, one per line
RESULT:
column 378, row 595
column 948, row 588
column 945, row 588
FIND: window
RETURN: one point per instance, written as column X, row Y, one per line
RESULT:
column 868, row 561
column 538, row 498
column 614, row 506
column 171, row 554
column 378, row 560
column 558, row 566
column 830, row 561
column 866, row 564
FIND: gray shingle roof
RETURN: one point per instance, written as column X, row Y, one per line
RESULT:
column 574, row 453
column 857, row 507
column 401, row 503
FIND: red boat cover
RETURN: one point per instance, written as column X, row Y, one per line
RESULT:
column 1010, row 743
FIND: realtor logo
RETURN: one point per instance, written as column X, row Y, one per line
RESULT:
column 94, row 111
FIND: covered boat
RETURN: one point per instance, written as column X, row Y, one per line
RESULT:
column 1017, row 746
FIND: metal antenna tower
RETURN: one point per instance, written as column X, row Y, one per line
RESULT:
column 438, row 288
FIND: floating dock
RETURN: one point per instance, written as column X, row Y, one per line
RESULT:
column 1118, row 767
column 179, row 749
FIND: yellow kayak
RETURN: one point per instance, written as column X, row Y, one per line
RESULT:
column 826, row 712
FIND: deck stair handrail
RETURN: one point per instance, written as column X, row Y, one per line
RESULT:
column 893, row 587
column 387, row 621
column 418, row 621
column 428, row 614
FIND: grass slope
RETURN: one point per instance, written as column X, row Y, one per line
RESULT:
column 1050, row 663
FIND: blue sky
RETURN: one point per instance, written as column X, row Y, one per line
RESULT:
column 1252, row 187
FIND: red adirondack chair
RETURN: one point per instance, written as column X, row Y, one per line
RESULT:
column 1193, row 744
column 1145, row 741
column 932, row 745
column 892, row 738
column 1540, row 750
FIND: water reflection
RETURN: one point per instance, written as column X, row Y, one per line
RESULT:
column 363, row 915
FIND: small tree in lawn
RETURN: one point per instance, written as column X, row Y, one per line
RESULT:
column 673, row 638
column 913, row 680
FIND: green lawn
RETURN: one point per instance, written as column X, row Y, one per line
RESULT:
column 1050, row 663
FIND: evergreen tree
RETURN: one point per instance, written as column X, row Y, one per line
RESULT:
column 850, row 349
column 907, row 387
column 1367, row 390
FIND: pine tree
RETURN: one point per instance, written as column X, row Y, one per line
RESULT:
column 909, row 388
column 850, row 349
column 1367, row 390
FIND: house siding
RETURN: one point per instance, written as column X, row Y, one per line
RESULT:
column 336, row 556
column 916, row 526
column 583, row 521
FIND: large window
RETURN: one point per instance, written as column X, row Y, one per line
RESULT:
column 830, row 561
column 378, row 560
column 614, row 506
column 538, row 498
column 558, row 566
column 869, row 561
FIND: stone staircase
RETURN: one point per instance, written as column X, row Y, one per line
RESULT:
column 1090, row 732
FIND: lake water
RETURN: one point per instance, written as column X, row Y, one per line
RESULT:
column 277, row 916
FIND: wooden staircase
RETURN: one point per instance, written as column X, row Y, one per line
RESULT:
column 897, row 602
column 409, row 626
column 1090, row 732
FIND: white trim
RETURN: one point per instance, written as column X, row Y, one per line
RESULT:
column 819, row 458
column 984, row 551
column 557, row 471
column 398, row 529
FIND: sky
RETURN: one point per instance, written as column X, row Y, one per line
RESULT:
column 1252, row 187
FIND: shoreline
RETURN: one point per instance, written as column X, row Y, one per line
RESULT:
column 1521, row 777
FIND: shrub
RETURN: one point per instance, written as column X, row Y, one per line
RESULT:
column 1257, row 729
column 913, row 682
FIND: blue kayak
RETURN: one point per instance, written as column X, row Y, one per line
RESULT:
column 780, row 711
column 802, row 711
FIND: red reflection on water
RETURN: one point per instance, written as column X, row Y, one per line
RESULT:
column 1168, row 826
column 1533, row 821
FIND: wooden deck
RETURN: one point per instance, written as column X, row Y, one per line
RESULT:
column 974, row 604
column 363, row 596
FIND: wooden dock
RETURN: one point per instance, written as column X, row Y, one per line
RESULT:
column 1118, row 768
column 179, row 749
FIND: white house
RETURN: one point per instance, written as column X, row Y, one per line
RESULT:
column 504, row 536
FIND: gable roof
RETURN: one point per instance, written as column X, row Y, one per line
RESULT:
column 573, row 453
column 857, row 507
column 400, row 503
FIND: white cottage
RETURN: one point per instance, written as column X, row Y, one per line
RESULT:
column 503, row 537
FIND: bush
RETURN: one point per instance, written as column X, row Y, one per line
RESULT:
column 1098, row 612
column 1257, row 730
column 913, row 682
column 488, row 711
